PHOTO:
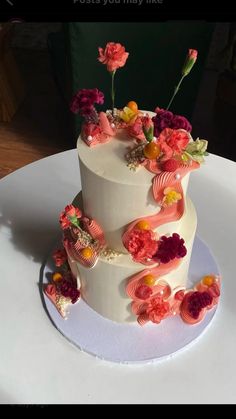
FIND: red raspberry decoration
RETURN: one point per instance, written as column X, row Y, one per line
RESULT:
column 143, row 292
column 170, row 165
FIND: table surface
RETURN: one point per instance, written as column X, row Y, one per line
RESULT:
column 38, row 365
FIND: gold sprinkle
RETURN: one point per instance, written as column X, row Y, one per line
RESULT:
column 135, row 157
column 62, row 304
column 110, row 254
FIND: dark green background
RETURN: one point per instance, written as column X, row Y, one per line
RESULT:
column 157, row 52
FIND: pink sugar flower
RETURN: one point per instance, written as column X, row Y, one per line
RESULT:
column 173, row 142
column 157, row 309
column 113, row 56
column 142, row 245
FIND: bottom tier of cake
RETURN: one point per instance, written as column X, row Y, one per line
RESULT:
column 103, row 287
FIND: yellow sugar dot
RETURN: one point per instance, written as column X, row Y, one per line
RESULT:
column 87, row 252
column 208, row 280
column 57, row 277
column 149, row 280
column 143, row 225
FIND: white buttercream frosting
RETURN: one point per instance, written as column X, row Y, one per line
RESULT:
column 115, row 196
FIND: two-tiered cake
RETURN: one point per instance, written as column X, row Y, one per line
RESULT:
column 128, row 236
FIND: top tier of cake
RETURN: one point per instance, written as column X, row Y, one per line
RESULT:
column 113, row 194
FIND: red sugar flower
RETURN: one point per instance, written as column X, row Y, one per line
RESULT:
column 64, row 221
column 170, row 248
column 69, row 216
column 60, row 257
column 157, row 309
column 142, row 245
column 72, row 211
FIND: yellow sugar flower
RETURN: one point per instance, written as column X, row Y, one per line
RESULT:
column 171, row 196
column 127, row 114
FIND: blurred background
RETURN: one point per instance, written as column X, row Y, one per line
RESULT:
column 43, row 64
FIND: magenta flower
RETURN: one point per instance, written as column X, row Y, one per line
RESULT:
column 166, row 119
column 69, row 290
column 170, row 248
column 84, row 100
column 197, row 301
column 180, row 122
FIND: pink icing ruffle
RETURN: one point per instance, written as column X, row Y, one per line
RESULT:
column 101, row 133
column 73, row 245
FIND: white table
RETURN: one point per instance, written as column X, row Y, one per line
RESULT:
column 38, row 365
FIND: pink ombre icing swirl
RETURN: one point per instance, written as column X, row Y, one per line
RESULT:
column 213, row 293
column 174, row 212
column 213, row 289
column 186, row 315
column 166, row 214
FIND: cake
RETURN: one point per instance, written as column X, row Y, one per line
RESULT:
column 128, row 236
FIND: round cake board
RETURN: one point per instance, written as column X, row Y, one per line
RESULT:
column 131, row 343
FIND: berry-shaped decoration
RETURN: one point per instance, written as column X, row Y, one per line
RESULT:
column 197, row 301
column 57, row 277
column 179, row 295
column 149, row 280
column 143, row 225
column 208, row 280
column 170, row 165
column 87, row 252
column 151, row 151
column 133, row 106
column 143, row 292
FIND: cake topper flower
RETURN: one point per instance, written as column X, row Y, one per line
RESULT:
column 114, row 56
column 187, row 67
column 83, row 103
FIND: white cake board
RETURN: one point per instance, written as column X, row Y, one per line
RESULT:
column 131, row 343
